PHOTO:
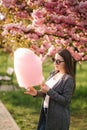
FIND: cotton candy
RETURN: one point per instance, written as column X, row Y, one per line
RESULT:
column 28, row 68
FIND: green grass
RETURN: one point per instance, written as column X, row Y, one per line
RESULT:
column 6, row 60
column 25, row 109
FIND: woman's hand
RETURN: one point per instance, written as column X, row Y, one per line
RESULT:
column 44, row 88
column 31, row 90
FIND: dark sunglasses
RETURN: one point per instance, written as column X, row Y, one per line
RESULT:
column 57, row 61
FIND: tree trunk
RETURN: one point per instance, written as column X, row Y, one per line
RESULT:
column 74, row 68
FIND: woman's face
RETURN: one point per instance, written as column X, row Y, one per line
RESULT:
column 59, row 63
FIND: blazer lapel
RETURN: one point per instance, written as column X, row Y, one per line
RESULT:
column 59, row 83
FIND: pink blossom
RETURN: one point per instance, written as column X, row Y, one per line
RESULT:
column 71, row 2
column 21, row 5
column 51, row 51
column 37, row 22
column 46, row 44
column 39, row 13
column 32, row 36
column 43, row 57
column 40, row 30
column 47, row 23
column 84, row 58
column 23, row 14
column 8, row 3
column 76, row 55
column 4, row 33
column 83, row 50
column 83, row 6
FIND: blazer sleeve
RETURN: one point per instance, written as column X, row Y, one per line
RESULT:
column 40, row 94
column 66, row 95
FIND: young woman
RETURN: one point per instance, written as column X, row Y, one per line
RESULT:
column 57, row 93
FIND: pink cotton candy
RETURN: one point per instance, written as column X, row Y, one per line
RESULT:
column 27, row 67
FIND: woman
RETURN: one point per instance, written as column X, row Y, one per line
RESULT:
column 57, row 93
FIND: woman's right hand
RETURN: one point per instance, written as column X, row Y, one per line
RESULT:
column 31, row 90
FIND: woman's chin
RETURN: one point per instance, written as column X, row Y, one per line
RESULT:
column 56, row 69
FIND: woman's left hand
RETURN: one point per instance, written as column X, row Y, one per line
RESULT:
column 44, row 88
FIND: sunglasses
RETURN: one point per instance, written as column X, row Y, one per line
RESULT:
column 57, row 61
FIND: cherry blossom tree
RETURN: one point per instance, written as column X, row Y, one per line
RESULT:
column 46, row 26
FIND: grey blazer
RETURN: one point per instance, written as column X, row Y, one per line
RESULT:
column 58, row 114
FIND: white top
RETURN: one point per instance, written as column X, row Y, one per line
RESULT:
column 51, row 82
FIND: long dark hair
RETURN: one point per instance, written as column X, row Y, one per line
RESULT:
column 69, row 62
column 66, row 55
